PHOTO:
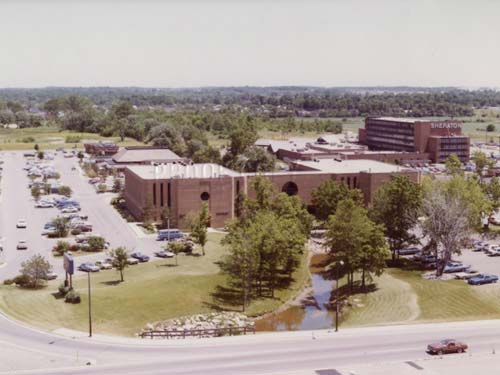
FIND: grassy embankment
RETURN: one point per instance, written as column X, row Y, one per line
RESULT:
column 403, row 296
column 50, row 138
column 152, row 291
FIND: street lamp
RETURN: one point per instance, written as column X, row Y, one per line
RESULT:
column 337, row 266
column 90, row 306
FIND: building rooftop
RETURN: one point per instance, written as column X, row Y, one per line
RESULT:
column 141, row 154
column 350, row 166
column 402, row 119
column 175, row 170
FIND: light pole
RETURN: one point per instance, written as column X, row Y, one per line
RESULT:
column 90, row 306
column 337, row 294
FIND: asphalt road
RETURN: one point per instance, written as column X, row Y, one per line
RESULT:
column 16, row 203
column 270, row 353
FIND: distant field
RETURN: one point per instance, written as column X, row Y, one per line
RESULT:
column 151, row 292
column 49, row 138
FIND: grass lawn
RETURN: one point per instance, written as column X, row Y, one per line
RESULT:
column 50, row 138
column 152, row 291
column 405, row 297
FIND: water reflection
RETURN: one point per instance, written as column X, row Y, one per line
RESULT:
column 315, row 313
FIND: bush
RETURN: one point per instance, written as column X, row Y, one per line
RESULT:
column 8, row 282
column 21, row 280
column 61, row 247
column 63, row 290
column 28, row 140
column 76, row 232
column 102, row 188
column 72, row 297
column 180, row 247
column 73, row 139
column 95, row 243
column 74, row 247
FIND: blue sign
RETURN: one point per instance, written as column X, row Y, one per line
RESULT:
column 69, row 266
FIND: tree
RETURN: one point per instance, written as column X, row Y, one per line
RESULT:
column 453, row 165
column 241, row 263
column 119, row 258
column 36, row 147
column 61, row 226
column 61, row 247
column 207, row 154
column 176, row 248
column 199, row 230
column 165, row 217
column 356, row 240
column 445, row 223
column 328, row 194
column 256, row 159
column 482, row 162
column 35, row 192
column 490, row 128
column 35, row 270
column 80, row 156
column 493, row 193
column 96, row 243
column 65, row 190
column 40, row 155
column 117, row 185
column 471, row 195
column 396, row 206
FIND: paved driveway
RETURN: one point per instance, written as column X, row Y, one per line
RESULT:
column 16, row 203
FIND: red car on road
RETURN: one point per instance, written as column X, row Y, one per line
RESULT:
column 446, row 347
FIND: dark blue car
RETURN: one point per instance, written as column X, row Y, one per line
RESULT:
column 140, row 256
column 483, row 279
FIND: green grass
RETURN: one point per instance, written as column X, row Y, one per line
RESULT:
column 50, row 138
column 151, row 292
column 405, row 297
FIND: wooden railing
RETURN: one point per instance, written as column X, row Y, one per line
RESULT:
column 212, row 332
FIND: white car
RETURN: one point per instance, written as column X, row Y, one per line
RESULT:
column 43, row 204
column 132, row 261
column 69, row 210
column 22, row 245
column 103, row 265
column 21, row 223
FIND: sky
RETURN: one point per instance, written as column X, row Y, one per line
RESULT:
column 192, row 43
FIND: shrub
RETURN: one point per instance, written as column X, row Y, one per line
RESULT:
column 74, row 247
column 72, row 297
column 28, row 140
column 180, row 247
column 8, row 282
column 61, row 247
column 102, row 188
column 21, row 280
column 73, row 139
column 63, row 290
column 76, row 232
column 96, row 243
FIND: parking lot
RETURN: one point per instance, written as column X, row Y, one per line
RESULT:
column 17, row 203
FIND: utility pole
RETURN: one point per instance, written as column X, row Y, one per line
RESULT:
column 337, row 266
column 90, row 306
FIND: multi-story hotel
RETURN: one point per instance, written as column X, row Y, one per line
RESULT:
column 438, row 139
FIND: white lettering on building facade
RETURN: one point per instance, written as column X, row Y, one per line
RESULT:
column 446, row 125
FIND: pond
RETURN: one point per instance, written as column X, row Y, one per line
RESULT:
column 314, row 313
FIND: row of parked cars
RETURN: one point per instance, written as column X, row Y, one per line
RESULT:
column 461, row 271
column 135, row 258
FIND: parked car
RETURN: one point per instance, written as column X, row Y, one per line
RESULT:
column 88, row 267
column 51, row 276
column 21, row 223
column 483, row 278
column 132, row 261
column 446, row 347
column 455, row 267
column 169, row 234
column 42, row 204
column 140, row 256
column 428, row 259
column 494, row 252
column 489, row 247
column 479, row 246
column 409, row 251
column 70, row 209
column 22, row 245
column 103, row 265
column 164, row 254
column 469, row 274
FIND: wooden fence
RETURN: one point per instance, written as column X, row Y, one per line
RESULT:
column 213, row 332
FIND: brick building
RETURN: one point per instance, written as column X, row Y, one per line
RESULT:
column 439, row 139
column 183, row 188
column 101, row 148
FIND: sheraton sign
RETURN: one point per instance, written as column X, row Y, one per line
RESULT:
column 446, row 125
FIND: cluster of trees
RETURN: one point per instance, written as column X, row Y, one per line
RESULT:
column 281, row 101
column 12, row 112
column 266, row 242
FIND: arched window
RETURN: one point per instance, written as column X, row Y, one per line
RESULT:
column 205, row 196
column 290, row 188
